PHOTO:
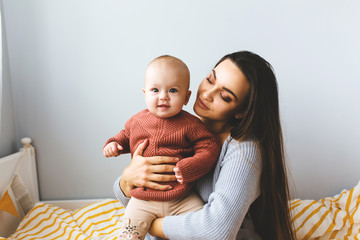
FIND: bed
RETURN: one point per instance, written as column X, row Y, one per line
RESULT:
column 23, row 216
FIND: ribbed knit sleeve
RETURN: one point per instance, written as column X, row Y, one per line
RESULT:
column 122, row 138
column 236, row 185
column 206, row 153
column 119, row 194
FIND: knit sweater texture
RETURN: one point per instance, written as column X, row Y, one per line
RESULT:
column 183, row 136
column 227, row 191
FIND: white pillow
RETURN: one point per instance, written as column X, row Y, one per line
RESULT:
column 14, row 205
column 9, row 213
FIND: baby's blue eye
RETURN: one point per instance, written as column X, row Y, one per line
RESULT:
column 173, row 90
column 155, row 90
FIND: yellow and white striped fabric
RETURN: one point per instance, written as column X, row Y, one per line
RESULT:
column 335, row 217
column 100, row 220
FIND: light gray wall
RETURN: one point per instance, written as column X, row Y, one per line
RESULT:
column 8, row 140
column 77, row 72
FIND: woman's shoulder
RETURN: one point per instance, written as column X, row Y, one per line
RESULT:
column 246, row 144
column 248, row 149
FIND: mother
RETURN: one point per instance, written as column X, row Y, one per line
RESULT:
column 247, row 192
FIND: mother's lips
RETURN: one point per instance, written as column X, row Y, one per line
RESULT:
column 202, row 104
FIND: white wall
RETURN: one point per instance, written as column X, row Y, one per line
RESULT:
column 7, row 122
column 77, row 72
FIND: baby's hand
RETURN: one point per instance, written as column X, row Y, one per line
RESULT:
column 178, row 175
column 112, row 149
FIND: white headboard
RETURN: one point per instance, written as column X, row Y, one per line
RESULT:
column 18, row 179
column 24, row 162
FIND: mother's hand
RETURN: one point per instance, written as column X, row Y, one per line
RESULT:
column 147, row 171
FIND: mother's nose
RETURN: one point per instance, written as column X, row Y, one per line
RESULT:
column 208, row 94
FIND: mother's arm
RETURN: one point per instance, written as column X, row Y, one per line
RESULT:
column 237, row 186
column 144, row 172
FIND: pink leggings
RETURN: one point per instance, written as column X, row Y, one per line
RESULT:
column 139, row 214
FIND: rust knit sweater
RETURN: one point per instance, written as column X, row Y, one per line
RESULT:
column 183, row 136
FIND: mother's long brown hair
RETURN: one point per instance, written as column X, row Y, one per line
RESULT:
column 261, row 120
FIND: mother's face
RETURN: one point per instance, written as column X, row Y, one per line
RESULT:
column 222, row 93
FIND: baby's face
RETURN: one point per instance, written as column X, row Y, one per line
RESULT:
column 166, row 89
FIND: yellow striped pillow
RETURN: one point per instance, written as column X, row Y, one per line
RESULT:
column 101, row 219
column 335, row 217
column 98, row 220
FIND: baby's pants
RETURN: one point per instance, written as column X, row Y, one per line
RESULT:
column 139, row 214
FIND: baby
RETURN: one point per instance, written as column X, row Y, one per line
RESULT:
column 170, row 131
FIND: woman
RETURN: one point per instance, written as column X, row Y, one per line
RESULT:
column 247, row 192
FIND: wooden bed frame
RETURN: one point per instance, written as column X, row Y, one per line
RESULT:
column 24, row 164
column 24, row 160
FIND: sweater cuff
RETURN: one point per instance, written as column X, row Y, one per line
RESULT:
column 119, row 194
column 190, row 172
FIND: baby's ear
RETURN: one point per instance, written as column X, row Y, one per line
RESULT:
column 187, row 97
